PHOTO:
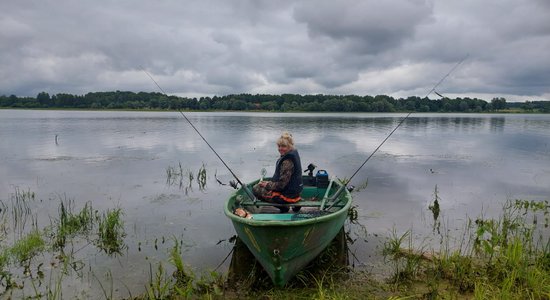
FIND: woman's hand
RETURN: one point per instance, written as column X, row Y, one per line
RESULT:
column 263, row 184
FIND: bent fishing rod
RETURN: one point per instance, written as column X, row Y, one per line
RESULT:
column 244, row 186
column 344, row 185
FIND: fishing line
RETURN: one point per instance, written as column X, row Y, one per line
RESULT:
column 449, row 73
column 389, row 135
column 248, row 192
column 405, row 118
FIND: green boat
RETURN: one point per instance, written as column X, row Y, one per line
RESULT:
column 284, row 243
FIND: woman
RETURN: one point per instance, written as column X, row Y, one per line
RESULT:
column 286, row 184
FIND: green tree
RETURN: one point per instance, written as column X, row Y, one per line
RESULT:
column 269, row 106
column 498, row 103
column 44, row 99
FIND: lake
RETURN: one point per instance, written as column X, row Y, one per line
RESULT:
column 120, row 160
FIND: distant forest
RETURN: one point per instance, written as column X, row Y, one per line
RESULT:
column 273, row 103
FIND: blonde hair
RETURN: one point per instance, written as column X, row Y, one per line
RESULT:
column 286, row 140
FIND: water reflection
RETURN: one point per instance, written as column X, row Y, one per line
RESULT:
column 497, row 124
column 119, row 160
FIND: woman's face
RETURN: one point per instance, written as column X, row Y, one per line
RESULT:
column 283, row 149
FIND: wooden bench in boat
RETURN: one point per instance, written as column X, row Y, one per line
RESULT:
column 284, row 216
column 299, row 203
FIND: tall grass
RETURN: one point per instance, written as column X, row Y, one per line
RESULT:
column 70, row 223
column 111, row 232
column 405, row 261
column 502, row 258
column 21, row 210
column 183, row 283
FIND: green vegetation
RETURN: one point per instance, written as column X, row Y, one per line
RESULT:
column 27, row 247
column 20, row 209
column 507, row 257
column 184, row 179
column 23, row 257
column 70, row 224
column 182, row 283
column 262, row 102
column 504, row 258
column 111, row 232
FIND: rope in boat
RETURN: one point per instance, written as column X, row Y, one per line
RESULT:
column 245, row 188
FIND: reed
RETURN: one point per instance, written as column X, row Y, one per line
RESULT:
column 21, row 210
column 159, row 285
column 180, row 274
column 69, row 223
column 3, row 221
column 111, row 232
column 201, row 178
column 435, row 209
column 184, row 178
column 405, row 260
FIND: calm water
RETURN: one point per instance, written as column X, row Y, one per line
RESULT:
column 119, row 159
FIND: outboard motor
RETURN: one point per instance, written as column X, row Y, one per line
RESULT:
column 309, row 179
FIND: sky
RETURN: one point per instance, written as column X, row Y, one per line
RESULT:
column 400, row 48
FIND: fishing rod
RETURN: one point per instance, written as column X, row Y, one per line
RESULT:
column 344, row 186
column 244, row 186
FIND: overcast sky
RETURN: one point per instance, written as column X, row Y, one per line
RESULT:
column 199, row 48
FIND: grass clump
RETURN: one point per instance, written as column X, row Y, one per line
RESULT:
column 406, row 262
column 70, row 224
column 27, row 247
column 182, row 283
column 111, row 232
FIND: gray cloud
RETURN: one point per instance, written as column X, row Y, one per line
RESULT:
column 196, row 48
column 366, row 27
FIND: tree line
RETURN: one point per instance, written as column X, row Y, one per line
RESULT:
column 265, row 102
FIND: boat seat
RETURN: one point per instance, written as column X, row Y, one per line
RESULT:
column 272, row 217
column 299, row 203
column 285, row 216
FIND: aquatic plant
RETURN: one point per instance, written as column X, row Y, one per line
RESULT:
column 201, row 178
column 27, row 247
column 111, row 232
column 434, row 208
column 69, row 223
column 20, row 208
column 180, row 274
column 159, row 285
column 174, row 175
column 184, row 178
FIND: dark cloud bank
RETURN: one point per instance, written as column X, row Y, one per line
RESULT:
column 194, row 48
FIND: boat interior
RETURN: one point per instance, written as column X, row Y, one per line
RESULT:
column 316, row 201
